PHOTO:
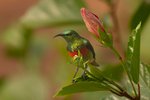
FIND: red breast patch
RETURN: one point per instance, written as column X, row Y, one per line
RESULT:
column 83, row 51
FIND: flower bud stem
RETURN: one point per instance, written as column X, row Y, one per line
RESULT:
column 125, row 68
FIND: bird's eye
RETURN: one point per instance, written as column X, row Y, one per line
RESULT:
column 68, row 34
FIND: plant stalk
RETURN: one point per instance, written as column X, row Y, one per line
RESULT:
column 120, row 58
column 119, row 92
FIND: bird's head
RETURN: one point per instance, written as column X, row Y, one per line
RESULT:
column 69, row 36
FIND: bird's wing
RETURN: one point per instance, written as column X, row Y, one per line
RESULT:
column 90, row 47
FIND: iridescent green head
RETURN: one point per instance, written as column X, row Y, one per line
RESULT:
column 69, row 36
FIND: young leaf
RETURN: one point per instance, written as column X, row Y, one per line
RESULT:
column 82, row 87
column 133, row 54
column 53, row 13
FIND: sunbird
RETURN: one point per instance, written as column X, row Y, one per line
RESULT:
column 76, row 44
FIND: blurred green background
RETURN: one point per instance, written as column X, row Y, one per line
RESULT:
column 34, row 66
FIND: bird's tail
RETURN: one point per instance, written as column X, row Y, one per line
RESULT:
column 94, row 63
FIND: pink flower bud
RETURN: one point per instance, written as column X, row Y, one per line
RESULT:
column 92, row 22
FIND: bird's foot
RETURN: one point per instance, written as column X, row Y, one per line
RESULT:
column 84, row 76
column 74, row 81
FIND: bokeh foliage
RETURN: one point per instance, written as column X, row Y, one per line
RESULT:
column 22, row 43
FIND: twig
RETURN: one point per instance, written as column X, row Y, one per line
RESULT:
column 117, row 54
column 121, row 92
column 139, row 92
column 125, row 94
column 113, row 7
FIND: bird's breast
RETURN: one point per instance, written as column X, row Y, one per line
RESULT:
column 84, row 51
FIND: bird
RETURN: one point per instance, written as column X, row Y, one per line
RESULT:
column 76, row 44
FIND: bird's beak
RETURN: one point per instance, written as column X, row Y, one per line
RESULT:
column 58, row 35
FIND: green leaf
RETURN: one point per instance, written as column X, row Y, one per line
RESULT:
column 82, row 87
column 145, row 74
column 112, row 97
column 142, row 14
column 96, row 72
column 145, row 91
column 53, row 13
column 145, row 81
column 133, row 54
